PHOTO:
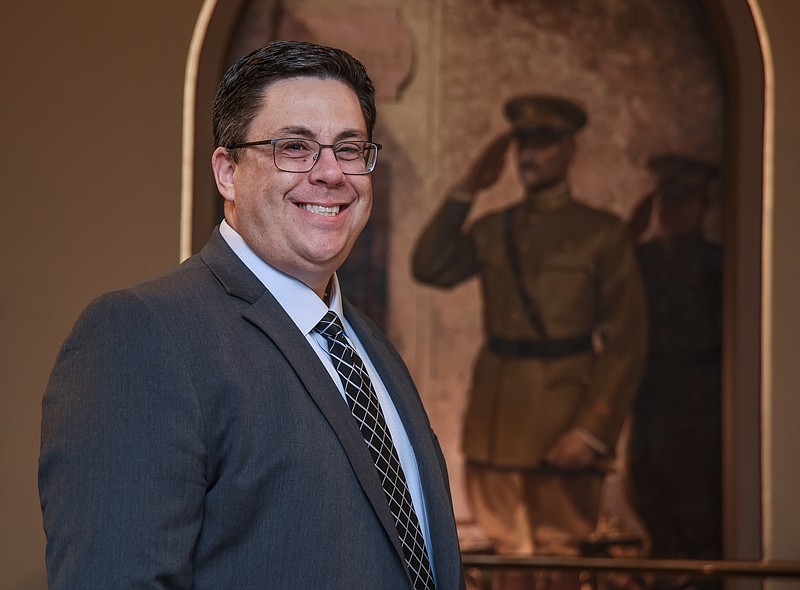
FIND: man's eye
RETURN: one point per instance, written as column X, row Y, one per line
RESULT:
column 348, row 151
column 295, row 148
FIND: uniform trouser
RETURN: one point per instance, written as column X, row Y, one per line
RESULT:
column 534, row 512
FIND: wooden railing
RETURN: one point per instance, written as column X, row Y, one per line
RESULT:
column 486, row 564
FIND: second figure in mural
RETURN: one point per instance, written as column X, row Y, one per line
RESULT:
column 565, row 341
column 675, row 444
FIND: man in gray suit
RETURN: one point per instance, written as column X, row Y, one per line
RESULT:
column 196, row 432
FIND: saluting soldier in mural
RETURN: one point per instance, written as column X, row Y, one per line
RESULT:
column 565, row 334
column 676, row 434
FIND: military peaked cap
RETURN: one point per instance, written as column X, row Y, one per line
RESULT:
column 544, row 119
column 679, row 175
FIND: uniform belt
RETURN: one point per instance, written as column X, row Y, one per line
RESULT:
column 549, row 348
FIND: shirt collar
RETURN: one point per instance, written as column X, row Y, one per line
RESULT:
column 298, row 300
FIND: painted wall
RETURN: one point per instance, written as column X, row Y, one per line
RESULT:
column 91, row 102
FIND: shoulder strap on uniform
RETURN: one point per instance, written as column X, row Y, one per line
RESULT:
column 513, row 257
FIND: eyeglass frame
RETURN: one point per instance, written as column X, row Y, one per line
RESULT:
column 322, row 146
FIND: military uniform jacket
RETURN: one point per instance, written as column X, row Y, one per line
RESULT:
column 576, row 268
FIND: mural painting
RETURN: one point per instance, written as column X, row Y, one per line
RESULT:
column 546, row 246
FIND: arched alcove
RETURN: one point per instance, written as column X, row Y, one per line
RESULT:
column 743, row 76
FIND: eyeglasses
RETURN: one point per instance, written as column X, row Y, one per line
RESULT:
column 294, row 154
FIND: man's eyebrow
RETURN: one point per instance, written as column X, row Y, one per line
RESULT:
column 305, row 132
column 294, row 131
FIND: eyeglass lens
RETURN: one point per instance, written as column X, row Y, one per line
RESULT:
column 299, row 155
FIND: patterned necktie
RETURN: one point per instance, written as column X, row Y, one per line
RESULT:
column 363, row 403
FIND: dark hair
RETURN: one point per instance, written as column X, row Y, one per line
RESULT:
column 241, row 91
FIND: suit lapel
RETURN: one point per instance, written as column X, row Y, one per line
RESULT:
column 267, row 314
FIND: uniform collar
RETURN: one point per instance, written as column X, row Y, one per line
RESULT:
column 549, row 199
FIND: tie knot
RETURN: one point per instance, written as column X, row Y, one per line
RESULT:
column 330, row 326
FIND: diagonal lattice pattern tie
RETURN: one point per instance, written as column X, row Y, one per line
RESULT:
column 364, row 406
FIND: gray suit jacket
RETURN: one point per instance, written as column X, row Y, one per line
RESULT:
column 192, row 439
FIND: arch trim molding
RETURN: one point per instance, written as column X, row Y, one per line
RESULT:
column 188, row 139
column 767, row 259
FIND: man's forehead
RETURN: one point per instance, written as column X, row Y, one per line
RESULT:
column 300, row 84
column 301, row 104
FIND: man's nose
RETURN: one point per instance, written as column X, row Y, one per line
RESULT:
column 326, row 166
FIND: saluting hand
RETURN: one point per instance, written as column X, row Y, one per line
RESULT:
column 487, row 167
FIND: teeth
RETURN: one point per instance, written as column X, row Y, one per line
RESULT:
column 320, row 210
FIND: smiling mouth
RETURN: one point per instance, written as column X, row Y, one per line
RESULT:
column 320, row 209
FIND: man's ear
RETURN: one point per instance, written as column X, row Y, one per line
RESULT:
column 224, row 171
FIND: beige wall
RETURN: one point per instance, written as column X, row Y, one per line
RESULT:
column 91, row 145
column 91, row 104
